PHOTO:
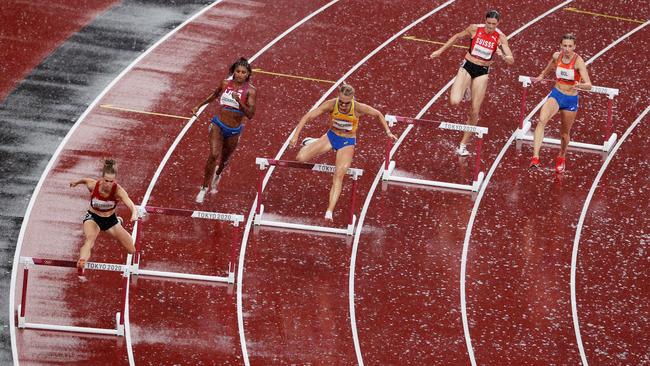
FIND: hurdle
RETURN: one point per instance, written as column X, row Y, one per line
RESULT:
column 264, row 163
column 28, row 262
column 217, row 216
column 609, row 138
column 389, row 165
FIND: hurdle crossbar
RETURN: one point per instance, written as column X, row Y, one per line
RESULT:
column 28, row 262
column 217, row 216
column 389, row 165
column 609, row 138
column 259, row 220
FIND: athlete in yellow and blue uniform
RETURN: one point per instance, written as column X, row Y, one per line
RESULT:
column 344, row 114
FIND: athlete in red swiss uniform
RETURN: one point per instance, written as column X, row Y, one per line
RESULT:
column 472, row 77
column 236, row 101
column 571, row 75
column 105, row 194
column 344, row 113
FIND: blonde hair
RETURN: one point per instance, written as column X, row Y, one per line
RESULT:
column 346, row 89
column 109, row 167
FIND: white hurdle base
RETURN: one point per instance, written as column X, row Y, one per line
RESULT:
column 259, row 221
column 474, row 187
column 522, row 134
column 183, row 276
column 118, row 331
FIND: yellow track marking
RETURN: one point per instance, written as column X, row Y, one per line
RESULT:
column 603, row 15
column 413, row 38
column 110, row 106
column 260, row 71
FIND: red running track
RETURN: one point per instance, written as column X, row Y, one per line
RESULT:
column 30, row 31
column 295, row 285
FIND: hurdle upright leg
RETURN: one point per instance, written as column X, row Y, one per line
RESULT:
column 353, row 200
column 23, row 297
column 523, row 108
column 477, row 164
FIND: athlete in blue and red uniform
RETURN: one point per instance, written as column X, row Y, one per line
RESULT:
column 571, row 74
column 344, row 114
column 472, row 77
column 105, row 194
column 236, row 101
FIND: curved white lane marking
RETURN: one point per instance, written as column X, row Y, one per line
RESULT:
column 576, row 240
column 242, row 250
column 50, row 165
column 480, row 197
column 271, row 169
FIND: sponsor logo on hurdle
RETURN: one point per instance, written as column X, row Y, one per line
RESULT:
column 459, row 127
column 212, row 216
column 104, row 266
column 324, row 168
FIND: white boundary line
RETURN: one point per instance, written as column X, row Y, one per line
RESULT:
column 242, row 254
column 479, row 197
column 50, row 164
column 378, row 177
column 581, row 221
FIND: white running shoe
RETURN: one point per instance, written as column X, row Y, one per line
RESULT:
column 307, row 140
column 201, row 195
column 328, row 215
column 467, row 96
column 462, row 150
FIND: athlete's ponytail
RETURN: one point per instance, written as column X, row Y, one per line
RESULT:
column 346, row 89
column 109, row 167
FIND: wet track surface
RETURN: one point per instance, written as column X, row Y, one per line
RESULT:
column 297, row 288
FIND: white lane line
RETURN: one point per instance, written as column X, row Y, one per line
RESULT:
column 576, row 240
column 242, row 250
column 378, row 176
column 39, row 185
column 270, row 171
column 480, row 197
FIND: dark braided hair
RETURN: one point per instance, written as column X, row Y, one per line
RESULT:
column 241, row 62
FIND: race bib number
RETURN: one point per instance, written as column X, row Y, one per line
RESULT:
column 342, row 125
column 228, row 100
column 482, row 52
column 566, row 74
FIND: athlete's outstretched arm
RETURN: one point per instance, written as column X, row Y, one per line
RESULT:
column 323, row 108
column 465, row 33
column 585, row 82
column 210, row 98
column 506, row 55
column 88, row 182
column 366, row 109
column 124, row 197
column 550, row 66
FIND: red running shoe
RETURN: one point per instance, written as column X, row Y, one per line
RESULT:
column 534, row 162
column 559, row 164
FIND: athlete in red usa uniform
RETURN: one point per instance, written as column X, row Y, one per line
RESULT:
column 472, row 77
column 571, row 75
column 236, row 101
column 344, row 114
column 105, row 193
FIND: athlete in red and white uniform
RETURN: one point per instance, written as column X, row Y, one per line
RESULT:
column 472, row 77
column 236, row 101
column 344, row 114
column 105, row 193
column 571, row 75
